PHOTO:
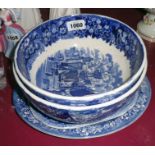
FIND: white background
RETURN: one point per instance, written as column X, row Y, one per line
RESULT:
column 77, row 3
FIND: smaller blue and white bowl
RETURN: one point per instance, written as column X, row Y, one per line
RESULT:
column 80, row 60
column 83, row 114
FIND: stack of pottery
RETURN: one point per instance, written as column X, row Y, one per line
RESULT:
column 80, row 69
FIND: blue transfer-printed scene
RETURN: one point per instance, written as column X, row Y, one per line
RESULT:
column 78, row 72
column 99, row 27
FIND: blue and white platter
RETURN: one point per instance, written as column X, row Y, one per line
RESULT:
column 83, row 131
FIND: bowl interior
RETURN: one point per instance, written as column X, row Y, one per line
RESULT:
column 79, row 55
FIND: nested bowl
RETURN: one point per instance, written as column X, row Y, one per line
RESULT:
column 83, row 114
column 80, row 60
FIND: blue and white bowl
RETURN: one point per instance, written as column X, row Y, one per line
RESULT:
column 83, row 114
column 80, row 60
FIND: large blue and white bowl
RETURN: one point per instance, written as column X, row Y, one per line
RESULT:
column 83, row 114
column 80, row 60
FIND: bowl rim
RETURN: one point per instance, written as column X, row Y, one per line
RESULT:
column 81, row 108
column 86, row 97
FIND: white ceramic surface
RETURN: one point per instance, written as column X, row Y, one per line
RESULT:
column 28, row 18
column 146, row 27
column 59, row 12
